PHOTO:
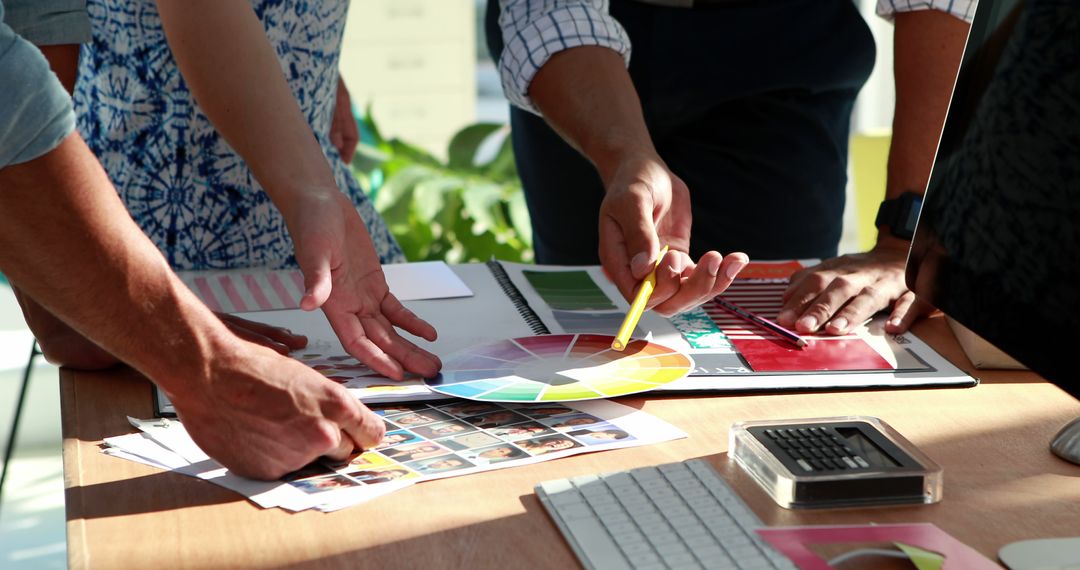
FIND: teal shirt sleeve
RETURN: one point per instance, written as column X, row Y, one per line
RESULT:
column 49, row 22
column 35, row 110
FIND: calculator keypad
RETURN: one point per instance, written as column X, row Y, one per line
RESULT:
column 816, row 449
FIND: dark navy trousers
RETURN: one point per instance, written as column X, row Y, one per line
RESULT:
column 749, row 102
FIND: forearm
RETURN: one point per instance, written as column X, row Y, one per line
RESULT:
column 586, row 94
column 234, row 74
column 929, row 45
column 68, row 242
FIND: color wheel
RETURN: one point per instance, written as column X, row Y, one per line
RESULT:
column 558, row 368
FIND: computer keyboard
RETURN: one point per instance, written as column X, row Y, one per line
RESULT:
column 676, row 515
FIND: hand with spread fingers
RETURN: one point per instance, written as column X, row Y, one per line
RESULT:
column 343, row 276
column 841, row 293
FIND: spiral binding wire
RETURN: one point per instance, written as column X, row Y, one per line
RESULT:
column 536, row 325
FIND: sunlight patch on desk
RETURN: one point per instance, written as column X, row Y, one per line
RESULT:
column 32, row 521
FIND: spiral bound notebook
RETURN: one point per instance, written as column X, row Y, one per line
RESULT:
column 514, row 294
column 512, row 300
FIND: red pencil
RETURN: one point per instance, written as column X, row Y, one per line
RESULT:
column 761, row 322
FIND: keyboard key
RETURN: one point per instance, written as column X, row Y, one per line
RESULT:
column 580, row 511
column 679, row 515
column 594, row 540
column 629, row 538
column 637, row 549
column 680, row 559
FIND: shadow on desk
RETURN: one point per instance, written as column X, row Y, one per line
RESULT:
column 144, row 494
column 526, row 540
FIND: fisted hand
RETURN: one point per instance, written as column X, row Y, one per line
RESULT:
column 262, row 415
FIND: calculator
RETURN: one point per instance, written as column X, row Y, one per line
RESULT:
column 835, row 462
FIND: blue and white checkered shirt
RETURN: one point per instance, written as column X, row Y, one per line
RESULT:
column 535, row 30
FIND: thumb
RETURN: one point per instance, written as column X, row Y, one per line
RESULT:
column 316, row 282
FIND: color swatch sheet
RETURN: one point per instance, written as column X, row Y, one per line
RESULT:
column 422, row 442
column 732, row 353
column 241, row 290
column 330, row 360
column 765, row 351
column 725, row 350
column 558, row 368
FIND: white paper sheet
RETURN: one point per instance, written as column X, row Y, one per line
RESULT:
column 424, row 442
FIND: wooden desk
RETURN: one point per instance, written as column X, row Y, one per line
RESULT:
column 1001, row 482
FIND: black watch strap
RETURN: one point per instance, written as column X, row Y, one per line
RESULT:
column 900, row 215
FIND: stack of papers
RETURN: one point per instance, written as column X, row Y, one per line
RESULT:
column 423, row 442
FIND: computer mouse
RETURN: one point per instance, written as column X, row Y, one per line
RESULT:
column 1042, row 554
column 1066, row 444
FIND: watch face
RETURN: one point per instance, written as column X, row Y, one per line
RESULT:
column 907, row 228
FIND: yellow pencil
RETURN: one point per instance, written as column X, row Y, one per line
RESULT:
column 637, row 307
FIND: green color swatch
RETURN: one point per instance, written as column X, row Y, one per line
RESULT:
column 572, row 290
column 700, row 331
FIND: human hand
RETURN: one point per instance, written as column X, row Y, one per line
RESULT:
column 841, row 293
column 263, row 415
column 647, row 206
column 278, row 339
column 343, row 132
column 343, row 276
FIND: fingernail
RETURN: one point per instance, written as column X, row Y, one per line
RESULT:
column 714, row 266
column 734, row 268
column 677, row 266
column 895, row 322
column 638, row 263
column 839, row 323
column 807, row 323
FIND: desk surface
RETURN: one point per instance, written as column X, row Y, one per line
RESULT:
column 1001, row 482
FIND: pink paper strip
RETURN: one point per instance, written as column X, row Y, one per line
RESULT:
column 207, row 294
column 257, row 292
column 234, row 296
column 287, row 300
column 298, row 279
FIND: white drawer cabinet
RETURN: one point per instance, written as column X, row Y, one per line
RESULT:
column 414, row 62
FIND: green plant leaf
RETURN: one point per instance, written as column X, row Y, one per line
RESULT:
column 519, row 216
column 398, row 189
column 463, row 147
column 455, row 212
column 482, row 201
column 368, row 128
column 368, row 158
column 403, row 150
column 430, row 195
column 502, row 168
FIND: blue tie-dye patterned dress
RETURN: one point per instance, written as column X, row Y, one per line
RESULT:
column 182, row 183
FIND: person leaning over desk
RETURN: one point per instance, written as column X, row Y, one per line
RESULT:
column 234, row 162
column 733, row 113
column 67, row 242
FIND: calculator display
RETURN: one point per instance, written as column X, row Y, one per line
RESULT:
column 866, row 448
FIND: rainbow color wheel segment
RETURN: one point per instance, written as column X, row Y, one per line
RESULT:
column 558, row 368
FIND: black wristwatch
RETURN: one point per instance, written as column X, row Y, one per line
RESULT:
column 900, row 215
